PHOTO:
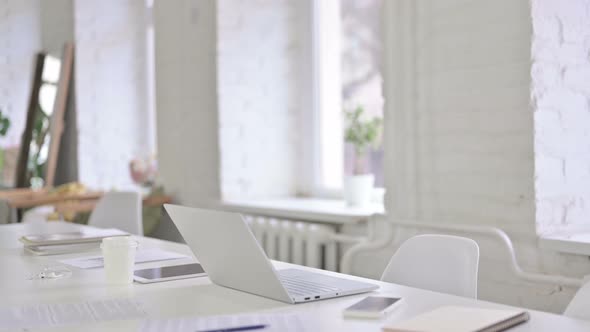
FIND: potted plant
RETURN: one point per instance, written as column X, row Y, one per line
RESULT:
column 363, row 134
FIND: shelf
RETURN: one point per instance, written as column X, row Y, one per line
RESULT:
column 571, row 243
column 306, row 209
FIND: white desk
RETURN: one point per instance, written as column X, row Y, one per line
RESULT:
column 200, row 297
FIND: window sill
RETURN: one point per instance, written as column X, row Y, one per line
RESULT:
column 569, row 243
column 306, row 209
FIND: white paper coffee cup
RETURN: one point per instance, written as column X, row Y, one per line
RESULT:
column 119, row 259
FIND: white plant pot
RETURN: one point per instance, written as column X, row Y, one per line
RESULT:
column 358, row 189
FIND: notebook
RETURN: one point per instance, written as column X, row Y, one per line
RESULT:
column 58, row 249
column 461, row 319
column 93, row 235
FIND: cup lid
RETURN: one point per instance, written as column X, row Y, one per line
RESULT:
column 118, row 241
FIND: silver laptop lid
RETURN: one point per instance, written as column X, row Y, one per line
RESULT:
column 228, row 251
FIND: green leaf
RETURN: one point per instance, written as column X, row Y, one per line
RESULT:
column 362, row 134
column 4, row 124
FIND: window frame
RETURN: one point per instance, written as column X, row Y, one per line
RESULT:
column 312, row 182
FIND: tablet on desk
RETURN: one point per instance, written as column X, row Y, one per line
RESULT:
column 167, row 273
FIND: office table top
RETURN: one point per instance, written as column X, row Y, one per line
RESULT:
column 198, row 296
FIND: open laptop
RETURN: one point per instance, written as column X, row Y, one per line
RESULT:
column 231, row 256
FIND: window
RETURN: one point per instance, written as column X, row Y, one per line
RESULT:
column 346, row 51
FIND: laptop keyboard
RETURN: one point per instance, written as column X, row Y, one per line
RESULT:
column 300, row 287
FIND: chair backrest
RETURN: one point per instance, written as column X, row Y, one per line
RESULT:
column 118, row 209
column 37, row 214
column 441, row 263
column 579, row 306
column 7, row 213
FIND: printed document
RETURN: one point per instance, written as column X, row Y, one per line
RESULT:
column 142, row 256
column 59, row 314
column 272, row 322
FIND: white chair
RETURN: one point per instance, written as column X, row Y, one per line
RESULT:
column 579, row 306
column 440, row 263
column 37, row 214
column 118, row 209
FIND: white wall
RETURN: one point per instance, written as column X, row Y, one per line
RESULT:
column 57, row 25
column 20, row 40
column 186, row 100
column 561, row 96
column 111, row 77
column 259, row 59
column 57, row 28
column 459, row 137
column 112, row 90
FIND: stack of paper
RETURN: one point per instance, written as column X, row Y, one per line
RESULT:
column 51, row 244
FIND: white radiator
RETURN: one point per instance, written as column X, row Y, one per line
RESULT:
column 296, row 242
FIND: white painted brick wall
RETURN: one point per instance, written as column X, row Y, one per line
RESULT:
column 111, row 78
column 20, row 40
column 472, row 134
column 474, row 127
column 112, row 91
column 561, row 96
column 259, row 54
column 186, row 97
